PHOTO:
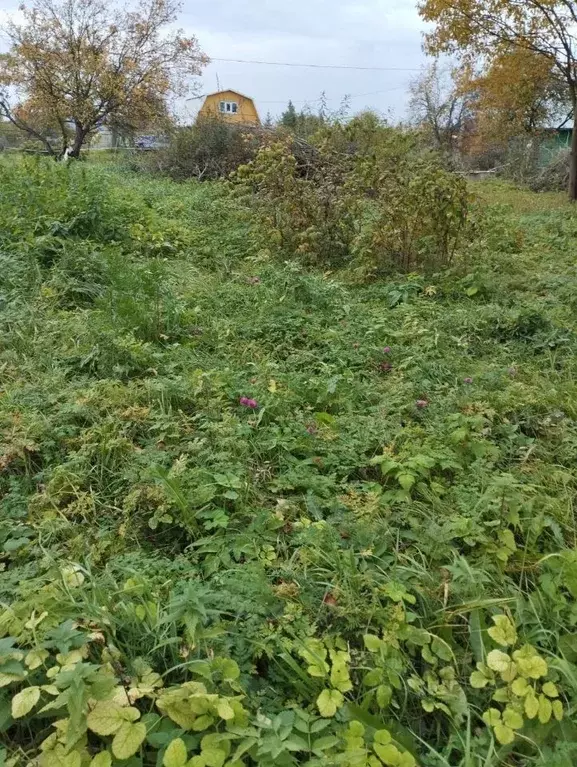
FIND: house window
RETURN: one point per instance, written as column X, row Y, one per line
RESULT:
column 228, row 107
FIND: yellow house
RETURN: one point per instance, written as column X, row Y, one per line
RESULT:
column 230, row 106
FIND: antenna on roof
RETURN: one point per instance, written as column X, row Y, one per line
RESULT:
column 217, row 83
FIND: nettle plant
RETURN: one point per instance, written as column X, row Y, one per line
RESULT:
column 519, row 678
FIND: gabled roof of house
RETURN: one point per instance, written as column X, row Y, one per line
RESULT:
column 229, row 90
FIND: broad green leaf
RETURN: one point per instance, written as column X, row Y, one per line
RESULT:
column 531, row 705
column 441, row 649
column 228, row 668
column 329, row 701
column 406, row 480
column 384, row 695
column 478, row 680
column 24, row 701
column 383, row 737
column 512, row 718
column 175, row 754
column 202, row 723
column 550, row 690
column 296, row 743
column 545, row 709
column 103, row 759
column 372, row 642
column 324, row 743
column 388, row 754
column 356, row 729
column 128, row 739
column 501, row 695
column 213, row 757
column 105, row 718
column 407, row 760
column 504, row 734
column 503, row 632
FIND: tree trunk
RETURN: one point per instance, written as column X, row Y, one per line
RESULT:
column 80, row 134
column 573, row 164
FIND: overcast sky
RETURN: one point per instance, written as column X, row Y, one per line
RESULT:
column 362, row 33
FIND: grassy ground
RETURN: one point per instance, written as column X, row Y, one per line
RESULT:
column 358, row 494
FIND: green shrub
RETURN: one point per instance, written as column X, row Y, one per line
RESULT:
column 362, row 197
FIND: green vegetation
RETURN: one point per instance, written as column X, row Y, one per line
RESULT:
column 254, row 514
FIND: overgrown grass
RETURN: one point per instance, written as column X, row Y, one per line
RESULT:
column 401, row 494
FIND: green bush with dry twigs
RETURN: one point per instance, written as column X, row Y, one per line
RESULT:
column 361, row 195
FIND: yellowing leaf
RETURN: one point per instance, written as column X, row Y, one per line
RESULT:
column 512, row 719
column 545, row 709
column 127, row 740
column 6, row 679
column 103, row 759
column 329, row 701
column 24, row 701
column 272, row 386
column 503, row 632
column 389, row 754
column 177, row 710
column 383, row 737
column 224, row 709
column 498, row 660
column 504, row 734
column 520, row 687
column 105, row 718
column 530, row 663
column 175, row 754
column 203, row 723
column 550, row 690
column 35, row 658
column 58, row 757
column 72, row 576
column 531, row 705
column 557, row 707
column 492, row 717
column 478, row 680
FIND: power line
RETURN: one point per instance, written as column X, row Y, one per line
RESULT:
column 338, row 98
column 318, row 66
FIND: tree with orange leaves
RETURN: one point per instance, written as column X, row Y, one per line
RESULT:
column 486, row 30
column 75, row 65
column 519, row 94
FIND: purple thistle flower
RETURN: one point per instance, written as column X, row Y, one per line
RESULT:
column 468, row 380
column 252, row 403
column 387, row 350
column 421, row 403
column 243, row 401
